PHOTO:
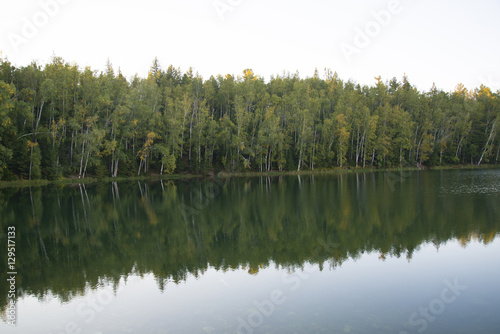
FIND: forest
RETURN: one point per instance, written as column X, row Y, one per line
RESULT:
column 58, row 120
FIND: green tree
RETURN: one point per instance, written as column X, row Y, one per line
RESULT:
column 6, row 106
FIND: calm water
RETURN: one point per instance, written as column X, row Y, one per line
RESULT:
column 362, row 253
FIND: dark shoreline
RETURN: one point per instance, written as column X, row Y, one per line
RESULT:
column 223, row 174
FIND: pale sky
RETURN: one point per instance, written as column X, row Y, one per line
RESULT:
column 446, row 42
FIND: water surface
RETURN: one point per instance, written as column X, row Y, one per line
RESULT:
column 358, row 253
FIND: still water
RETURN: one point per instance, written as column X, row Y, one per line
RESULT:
column 357, row 253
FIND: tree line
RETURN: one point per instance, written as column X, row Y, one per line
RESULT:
column 59, row 120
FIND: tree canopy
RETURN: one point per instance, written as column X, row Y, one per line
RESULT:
column 58, row 120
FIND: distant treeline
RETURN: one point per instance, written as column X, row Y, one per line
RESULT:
column 58, row 120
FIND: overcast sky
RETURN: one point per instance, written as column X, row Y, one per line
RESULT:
column 446, row 42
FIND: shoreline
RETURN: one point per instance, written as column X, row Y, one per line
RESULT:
column 225, row 175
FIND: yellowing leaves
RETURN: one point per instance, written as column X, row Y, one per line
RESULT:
column 147, row 145
column 31, row 144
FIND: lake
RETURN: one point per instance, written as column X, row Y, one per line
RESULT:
column 383, row 252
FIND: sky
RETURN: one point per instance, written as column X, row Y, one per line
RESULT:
column 444, row 42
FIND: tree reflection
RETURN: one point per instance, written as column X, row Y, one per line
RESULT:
column 73, row 237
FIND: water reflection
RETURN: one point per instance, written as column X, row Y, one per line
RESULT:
column 473, row 182
column 74, row 237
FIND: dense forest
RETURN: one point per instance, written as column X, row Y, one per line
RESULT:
column 58, row 120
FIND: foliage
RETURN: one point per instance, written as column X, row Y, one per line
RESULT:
column 82, row 122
